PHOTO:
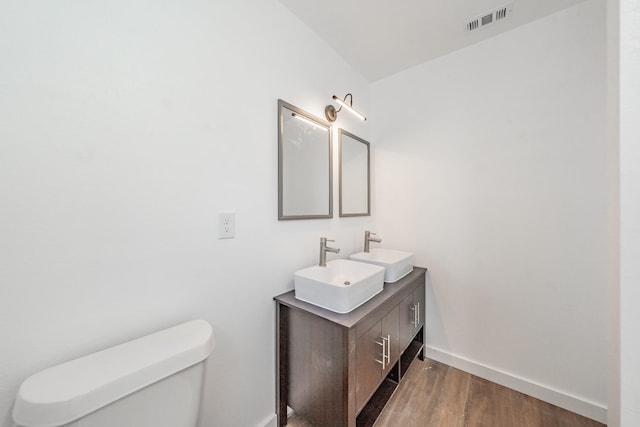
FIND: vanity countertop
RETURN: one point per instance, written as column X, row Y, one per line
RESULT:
column 348, row 320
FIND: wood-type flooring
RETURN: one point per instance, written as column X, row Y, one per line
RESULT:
column 433, row 394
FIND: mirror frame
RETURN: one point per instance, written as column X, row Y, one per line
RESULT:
column 281, row 216
column 366, row 143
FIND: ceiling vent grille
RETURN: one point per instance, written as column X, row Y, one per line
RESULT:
column 498, row 14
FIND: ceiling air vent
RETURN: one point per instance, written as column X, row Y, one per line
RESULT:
column 498, row 14
column 473, row 25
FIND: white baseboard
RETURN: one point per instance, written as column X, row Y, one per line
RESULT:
column 564, row 400
column 272, row 421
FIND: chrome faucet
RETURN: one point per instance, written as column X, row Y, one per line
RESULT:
column 324, row 249
column 368, row 239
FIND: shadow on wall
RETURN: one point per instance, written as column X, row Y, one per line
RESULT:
column 433, row 316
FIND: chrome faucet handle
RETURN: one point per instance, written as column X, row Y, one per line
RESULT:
column 324, row 249
column 375, row 239
column 368, row 239
column 324, row 240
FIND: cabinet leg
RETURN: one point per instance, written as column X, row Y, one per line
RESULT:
column 282, row 354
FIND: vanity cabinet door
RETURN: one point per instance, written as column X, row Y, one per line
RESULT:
column 377, row 351
column 391, row 332
column 368, row 364
column 411, row 316
column 407, row 321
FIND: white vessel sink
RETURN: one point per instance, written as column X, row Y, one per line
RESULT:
column 397, row 264
column 341, row 286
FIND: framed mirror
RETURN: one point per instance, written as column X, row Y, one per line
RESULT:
column 355, row 183
column 305, row 189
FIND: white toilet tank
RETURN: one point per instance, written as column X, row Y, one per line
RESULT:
column 153, row 381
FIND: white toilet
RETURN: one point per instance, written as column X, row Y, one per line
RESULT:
column 153, row 381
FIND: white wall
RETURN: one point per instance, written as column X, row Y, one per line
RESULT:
column 613, row 158
column 629, row 96
column 125, row 127
column 624, row 132
column 491, row 166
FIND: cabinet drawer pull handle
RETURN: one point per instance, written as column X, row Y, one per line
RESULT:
column 418, row 315
column 415, row 316
column 387, row 355
column 382, row 362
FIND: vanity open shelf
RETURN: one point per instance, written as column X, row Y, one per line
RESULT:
column 339, row 370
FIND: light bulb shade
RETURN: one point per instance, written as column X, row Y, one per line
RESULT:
column 349, row 107
column 331, row 113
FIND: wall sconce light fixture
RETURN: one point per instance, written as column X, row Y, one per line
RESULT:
column 331, row 113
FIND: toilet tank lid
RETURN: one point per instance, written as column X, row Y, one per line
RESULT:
column 69, row 391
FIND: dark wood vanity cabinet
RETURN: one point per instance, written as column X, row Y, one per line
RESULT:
column 340, row 369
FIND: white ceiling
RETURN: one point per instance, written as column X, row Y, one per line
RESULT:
column 382, row 37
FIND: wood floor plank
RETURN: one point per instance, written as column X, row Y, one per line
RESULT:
column 433, row 394
column 419, row 400
column 489, row 404
column 453, row 397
